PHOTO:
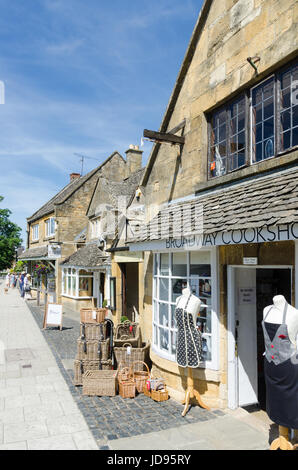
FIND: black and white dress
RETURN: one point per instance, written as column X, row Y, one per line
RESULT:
column 189, row 339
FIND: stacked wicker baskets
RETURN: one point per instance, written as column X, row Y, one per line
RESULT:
column 93, row 345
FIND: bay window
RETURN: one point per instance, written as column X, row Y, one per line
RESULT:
column 172, row 273
column 77, row 283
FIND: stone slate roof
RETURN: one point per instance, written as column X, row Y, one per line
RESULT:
column 263, row 201
column 89, row 256
column 65, row 193
column 113, row 190
column 39, row 252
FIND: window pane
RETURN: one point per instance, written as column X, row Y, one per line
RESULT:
column 295, row 116
column 285, row 120
column 206, row 348
column 199, row 264
column 163, row 314
column 179, row 264
column 295, row 136
column 269, row 148
column 164, row 339
column 268, row 108
column 285, row 98
column 173, row 317
column 156, row 264
column 155, row 335
column 163, row 289
column 259, row 132
column 259, row 152
column 173, row 342
column 285, row 140
column 177, row 286
column 268, row 128
column 164, row 264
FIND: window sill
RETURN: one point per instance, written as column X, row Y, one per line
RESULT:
column 50, row 237
column 255, row 169
column 204, row 372
column 76, row 298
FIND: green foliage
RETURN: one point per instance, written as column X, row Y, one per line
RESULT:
column 123, row 319
column 20, row 266
column 105, row 303
column 10, row 238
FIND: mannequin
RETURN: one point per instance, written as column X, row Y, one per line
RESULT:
column 189, row 343
column 280, row 327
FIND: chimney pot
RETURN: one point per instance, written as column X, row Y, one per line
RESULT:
column 74, row 176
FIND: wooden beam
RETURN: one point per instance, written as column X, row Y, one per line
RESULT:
column 164, row 137
column 178, row 128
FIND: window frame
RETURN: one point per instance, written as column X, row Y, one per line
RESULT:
column 48, row 224
column 76, row 275
column 227, row 109
column 247, row 93
column 214, row 335
column 35, row 239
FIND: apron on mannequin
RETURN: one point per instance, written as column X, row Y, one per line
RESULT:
column 281, row 373
column 189, row 340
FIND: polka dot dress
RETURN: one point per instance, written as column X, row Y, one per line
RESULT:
column 189, row 340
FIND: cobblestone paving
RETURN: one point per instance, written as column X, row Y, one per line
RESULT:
column 112, row 418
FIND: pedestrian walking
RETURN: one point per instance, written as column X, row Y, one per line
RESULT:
column 27, row 287
column 21, row 283
column 12, row 280
column 7, row 280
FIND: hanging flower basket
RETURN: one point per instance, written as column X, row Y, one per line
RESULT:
column 40, row 269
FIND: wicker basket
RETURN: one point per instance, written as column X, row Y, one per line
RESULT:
column 89, row 350
column 87, row 315
column 93, row 331
column 159, row 395
column 80, row 367
column 136, row 354
column 100, row 383
column 106, row 365
column 128, row 332
column 140, row 376
column 127, row 386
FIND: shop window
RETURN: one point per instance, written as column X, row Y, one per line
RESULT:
column 172, row 273
column 112, row 293
column 77, row 283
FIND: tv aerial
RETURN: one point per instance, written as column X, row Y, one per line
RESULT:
column 82, row 158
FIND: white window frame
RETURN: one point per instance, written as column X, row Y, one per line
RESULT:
column 77, row 276
column 214, row 362
column 35, row 236
column 251, row 120
column 50, row 229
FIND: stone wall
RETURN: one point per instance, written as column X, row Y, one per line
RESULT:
column 233, row 31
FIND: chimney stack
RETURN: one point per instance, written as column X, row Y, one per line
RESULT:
column 74, row 176
column 133, row 159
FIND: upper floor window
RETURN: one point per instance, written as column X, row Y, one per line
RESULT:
column 35, row 232
column 50, row 227
column 272, row 128
column 228, row 138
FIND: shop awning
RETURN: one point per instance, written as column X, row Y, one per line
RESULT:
column 89, row 256
column 262, row 209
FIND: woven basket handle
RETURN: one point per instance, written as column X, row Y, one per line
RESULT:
column 141, row 362
column 159, row 382
column 127, row 344
column 123, row 337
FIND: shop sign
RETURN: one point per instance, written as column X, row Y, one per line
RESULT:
column 53, row 316
column 264, row 234
column 250, row 261
column 54, row 251
column 247, row 295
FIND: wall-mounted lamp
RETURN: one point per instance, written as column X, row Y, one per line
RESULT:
column 252, row 61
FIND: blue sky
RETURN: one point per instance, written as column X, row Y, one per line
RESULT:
column 81, row 76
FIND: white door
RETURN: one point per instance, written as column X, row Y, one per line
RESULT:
column 246, row 335
column 242, row 337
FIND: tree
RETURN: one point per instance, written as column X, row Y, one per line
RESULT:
column 10, row 238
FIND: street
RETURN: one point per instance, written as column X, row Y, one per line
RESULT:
column 41, row 409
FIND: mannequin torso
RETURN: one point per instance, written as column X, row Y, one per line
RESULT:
column 193, row 305
column 276, row 316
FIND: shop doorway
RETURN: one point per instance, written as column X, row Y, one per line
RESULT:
column 250, row 290
column 130, row 290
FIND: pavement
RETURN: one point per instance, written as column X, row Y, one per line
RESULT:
column 40, row 408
